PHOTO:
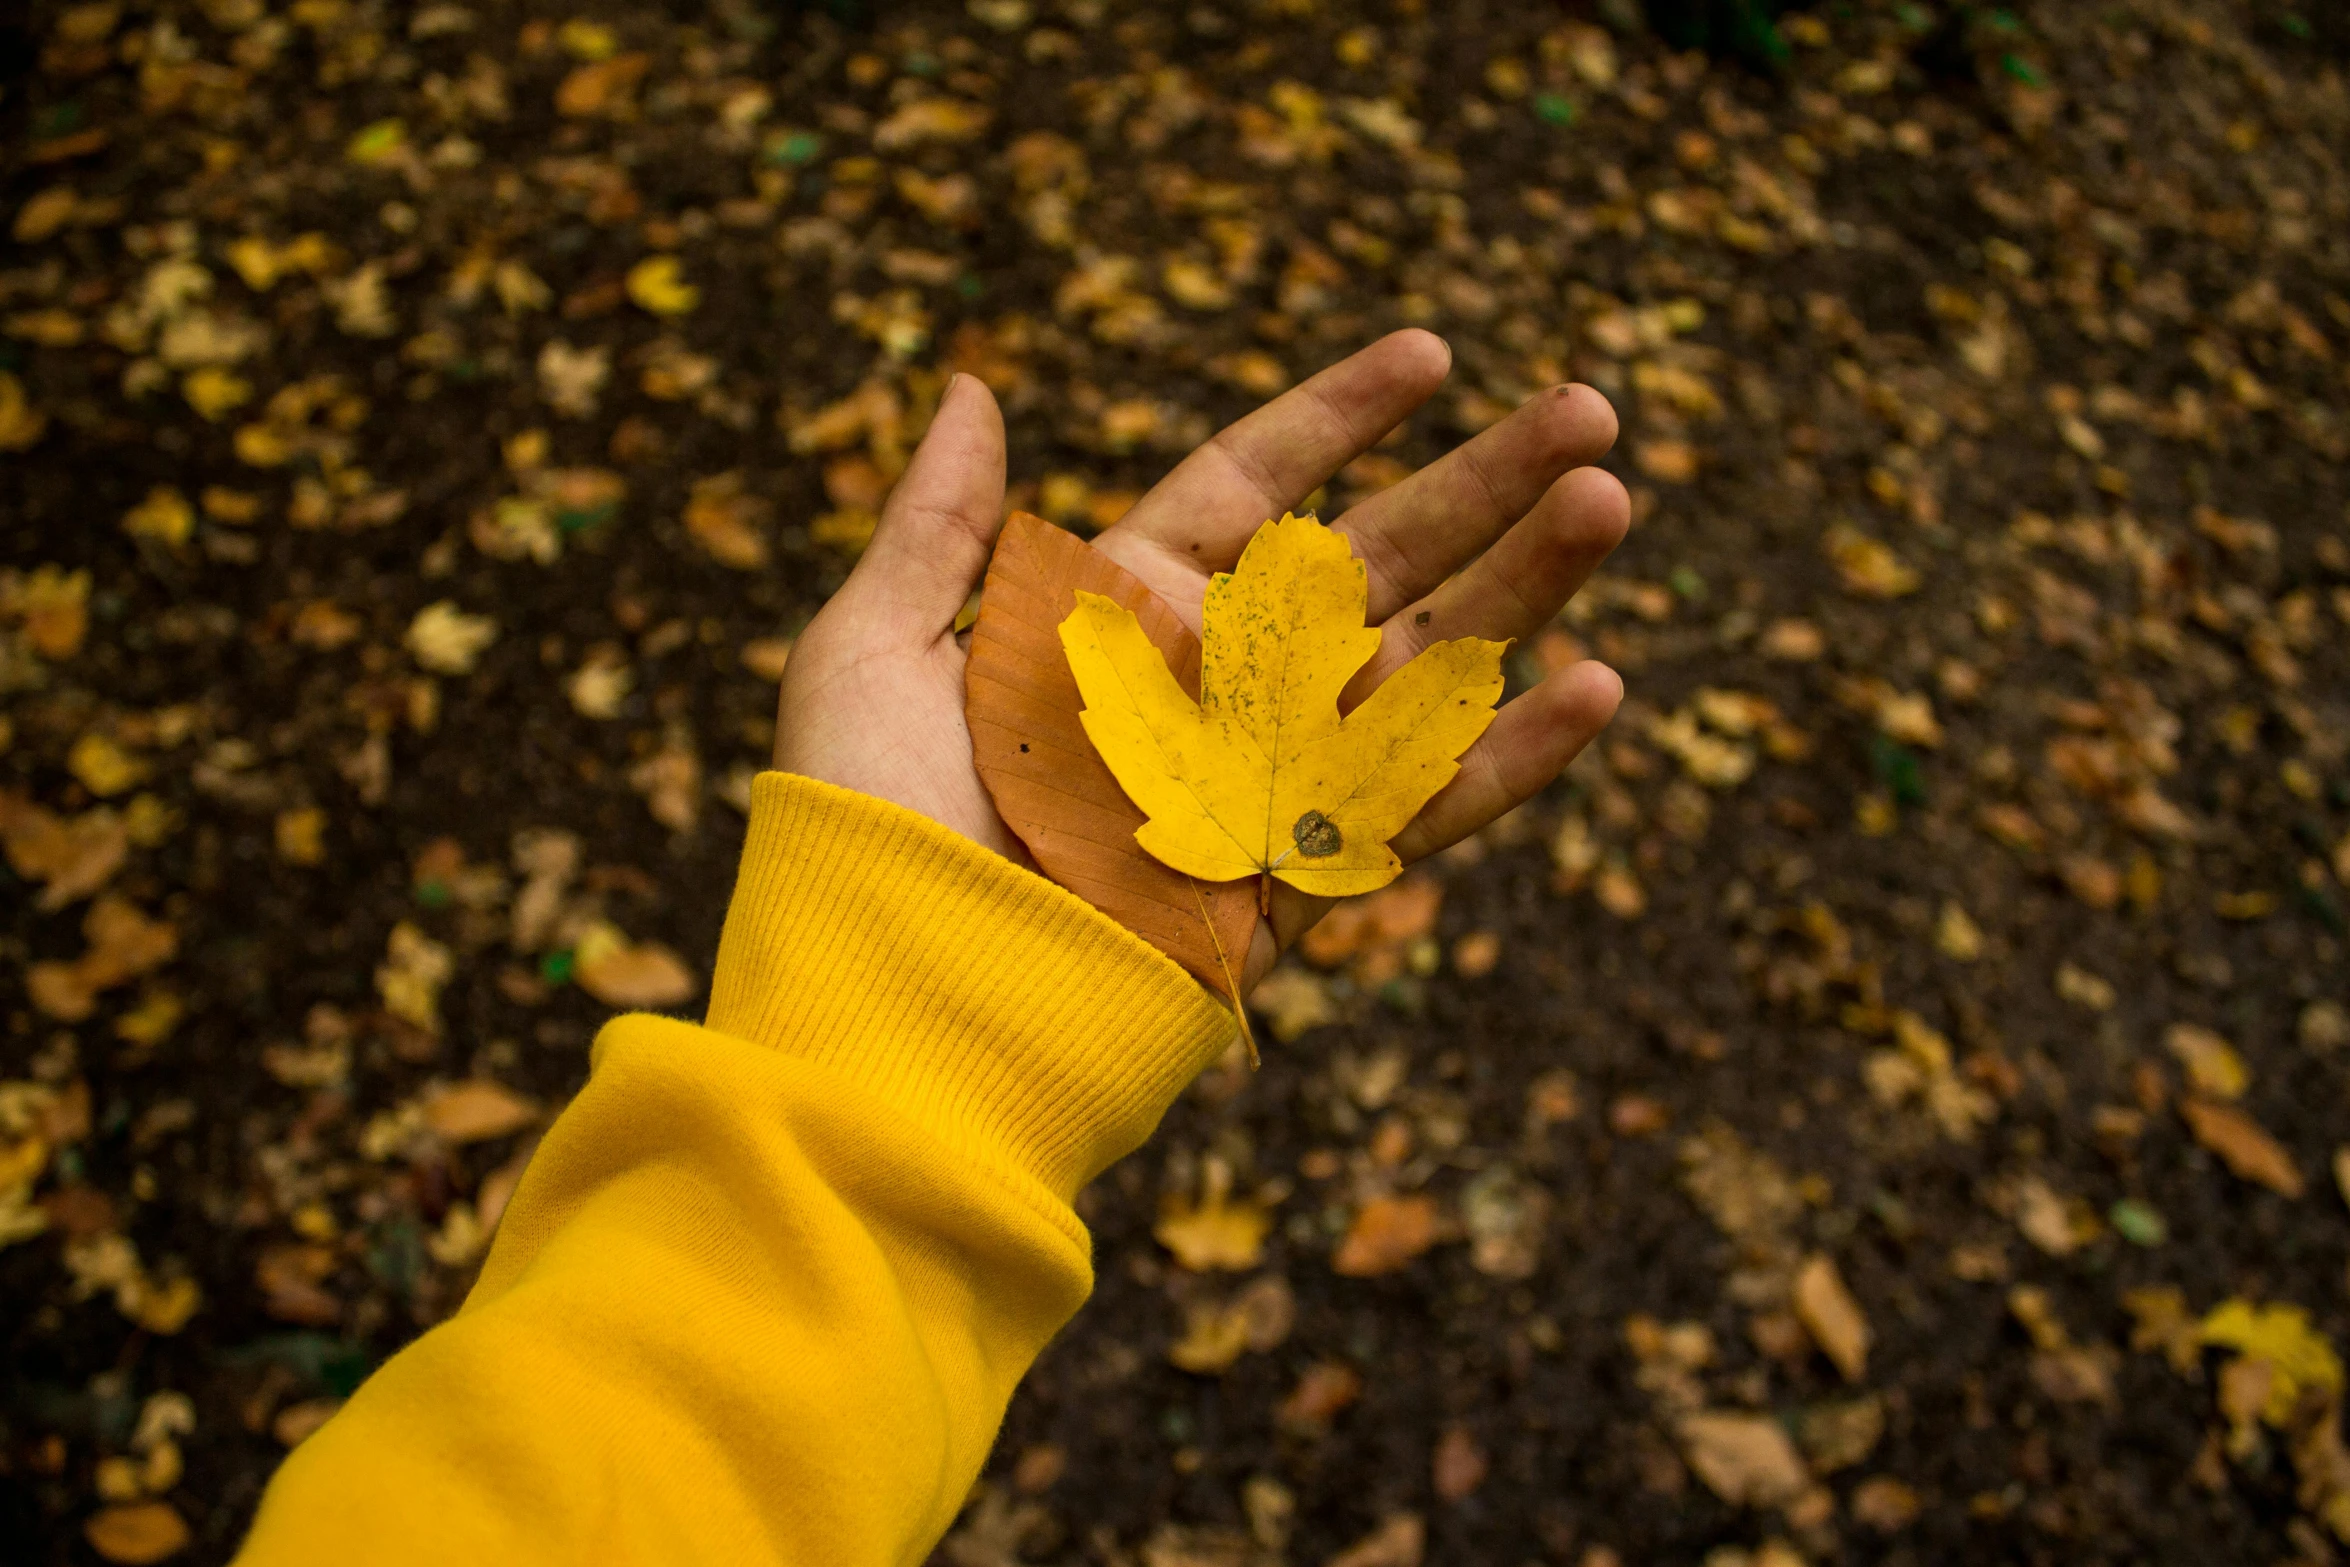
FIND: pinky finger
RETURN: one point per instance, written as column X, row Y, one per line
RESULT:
column 1530, row 743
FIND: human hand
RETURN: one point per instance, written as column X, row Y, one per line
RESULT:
column 1489, row 541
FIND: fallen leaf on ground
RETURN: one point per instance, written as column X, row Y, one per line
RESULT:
column 728, row 521
column 1216, row 1232
column 1258, row 1318
column 1746, row 1460
column 1387, row 1233
column 2213, row 1066
column 2242, row 1145
column 123, row 944
column 1325, row 1389
column 53, row 606
column 1885, row 1504
column 1459, row 1464
column 1399, row 1542
column 1832, row 1317
column 2297, row 1354
column 622, row 973
column 1293, row 1001
column 136, row 1533
column 1868, row 568
column 409, row 979
column 103, row 766
column 1051, row 787
column 73, row 856
column 657, row 284
column 477, row 1109
column 1505, row 1215
column 448, row 641
column 605, row 87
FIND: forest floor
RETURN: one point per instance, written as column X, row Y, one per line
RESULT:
column 1884, row 1105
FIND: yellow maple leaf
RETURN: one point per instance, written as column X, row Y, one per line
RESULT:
column 658, row 285
column 1261, row 775
column 2297, row 1354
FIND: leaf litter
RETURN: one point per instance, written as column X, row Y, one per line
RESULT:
column 1973, row 847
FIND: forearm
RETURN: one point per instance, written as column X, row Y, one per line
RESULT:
column 769, row 1283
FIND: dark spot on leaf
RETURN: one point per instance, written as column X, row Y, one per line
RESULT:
column 1317, row 836
column 1023, row 748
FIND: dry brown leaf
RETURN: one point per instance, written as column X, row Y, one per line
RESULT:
column 1674, row 462
column 1746, row 1460
column 1322, row 1393
column 622, row 973
column 1884, row 1504
column 1387, row 1233
column 606, row 87
column 727, row 520
column 136, row 1533
column 1832, row 1317
column 2242, row 1145
column 476, row 1110
column 1048, row 783
column 1399, row 1542
column 1459, row 1465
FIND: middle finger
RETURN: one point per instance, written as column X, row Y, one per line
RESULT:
column 1415, row 535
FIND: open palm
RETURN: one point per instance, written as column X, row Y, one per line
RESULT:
column 1489, row 542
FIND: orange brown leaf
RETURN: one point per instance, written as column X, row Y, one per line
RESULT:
column 1049, row 784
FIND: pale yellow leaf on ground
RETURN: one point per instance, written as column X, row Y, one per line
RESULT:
column 1261, row 774
column 448, row 641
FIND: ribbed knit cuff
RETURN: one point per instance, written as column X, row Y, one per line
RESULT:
column 1006, row 1016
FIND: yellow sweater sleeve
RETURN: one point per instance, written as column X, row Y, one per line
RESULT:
column 767, row 1286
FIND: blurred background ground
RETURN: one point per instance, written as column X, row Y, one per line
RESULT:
column 1883, row 1105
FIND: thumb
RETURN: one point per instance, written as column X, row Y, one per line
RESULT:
column 932, row 543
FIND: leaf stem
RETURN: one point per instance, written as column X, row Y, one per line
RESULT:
column 1248, row 1035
